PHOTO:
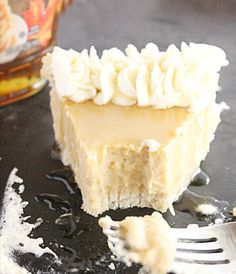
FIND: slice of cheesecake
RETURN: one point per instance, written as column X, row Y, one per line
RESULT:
column 130, row 141
column 125, row 157
column 146, row 240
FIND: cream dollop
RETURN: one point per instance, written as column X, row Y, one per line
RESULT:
column 70, row 73
column 187, row 77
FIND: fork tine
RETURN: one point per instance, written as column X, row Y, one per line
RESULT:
column 202, row 251
column 197, row 239
column 199, row 257
column 202, row 246
column 205, row 269
column 111, row 233
column 114, row 240
column 213, row 248
column 194, row 233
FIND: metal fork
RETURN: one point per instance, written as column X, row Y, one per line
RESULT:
column 212, row 248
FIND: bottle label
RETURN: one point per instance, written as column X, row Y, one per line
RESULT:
column 27, row 33
column 26, row 27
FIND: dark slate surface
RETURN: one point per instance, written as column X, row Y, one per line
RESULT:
column 26, row 135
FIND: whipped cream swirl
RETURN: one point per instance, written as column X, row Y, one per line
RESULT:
column 187, row 77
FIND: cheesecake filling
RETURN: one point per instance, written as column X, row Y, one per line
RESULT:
column 185, row 77
column 118, row 164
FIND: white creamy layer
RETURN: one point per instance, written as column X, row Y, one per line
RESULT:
column 207, row 209
column 187, row 77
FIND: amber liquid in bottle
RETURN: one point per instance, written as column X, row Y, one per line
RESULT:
column 21, row 78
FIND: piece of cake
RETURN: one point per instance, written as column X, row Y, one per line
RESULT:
column 234, row 211
column 134, row 127
column 146, row 240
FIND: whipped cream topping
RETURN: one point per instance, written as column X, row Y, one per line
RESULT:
column 187, row 77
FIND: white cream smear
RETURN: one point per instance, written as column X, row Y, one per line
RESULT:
column 14, row 229
column 207, row 209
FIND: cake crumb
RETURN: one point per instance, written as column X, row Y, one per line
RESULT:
column 207, row 209
column 218, row 221
column 234, row 211
column 152, row 145
column 113, row 257
column 21, row 189
column 111, row 266
column 223, row 106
